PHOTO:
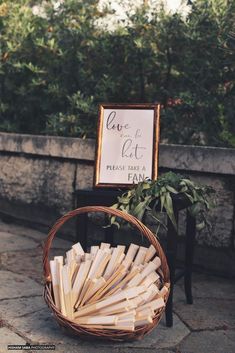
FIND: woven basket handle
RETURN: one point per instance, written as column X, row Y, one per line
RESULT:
column 114, row 212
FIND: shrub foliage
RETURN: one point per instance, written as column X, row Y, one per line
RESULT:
column 60, row 60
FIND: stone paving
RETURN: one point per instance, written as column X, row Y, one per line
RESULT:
column 207, row 326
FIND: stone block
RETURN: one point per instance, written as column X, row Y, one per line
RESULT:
column 213, row 260
column 84, row 176
column 20, row 230
column 12, row 242
column 30, row 262
column 197, row 158
column 203, row 284
column 41, row 182
column 209, row 342
column 26, row 234
column 41, row 327
column 207, row 313
column 94, row 349
column 50, row 146
column 221, row 217
column 10, row 309
column 9, row 337
column 14, row 286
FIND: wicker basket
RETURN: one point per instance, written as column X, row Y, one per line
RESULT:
column 73, row 327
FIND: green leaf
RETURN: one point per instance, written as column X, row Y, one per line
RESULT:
column 201, row 225
column 189, row 197
column 171, row 189
column 139, row 210
column 124, row 200
column 169, row 209
column 114, row 222
column 195, row 209
column 146, row 185
column 162, row 199
column 184, row 189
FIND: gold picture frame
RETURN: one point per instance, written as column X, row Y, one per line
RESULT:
column 127, row 144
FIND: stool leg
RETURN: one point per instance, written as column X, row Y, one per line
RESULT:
column 109, row 235
column 189, row 252
column 171, row 250
column 81, row 224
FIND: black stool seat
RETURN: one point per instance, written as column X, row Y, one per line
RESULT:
column 108, row 197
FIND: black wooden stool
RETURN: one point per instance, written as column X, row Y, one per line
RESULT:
column 108, row 198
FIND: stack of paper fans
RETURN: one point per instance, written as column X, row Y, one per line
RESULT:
column 108, row 288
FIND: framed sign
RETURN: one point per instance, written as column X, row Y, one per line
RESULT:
column 127, row 144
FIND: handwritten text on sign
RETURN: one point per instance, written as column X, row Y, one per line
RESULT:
column 127, row 146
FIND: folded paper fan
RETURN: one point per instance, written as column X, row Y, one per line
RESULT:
column 110, row 289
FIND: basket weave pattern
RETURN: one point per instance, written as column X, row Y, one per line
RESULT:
column 74, row 327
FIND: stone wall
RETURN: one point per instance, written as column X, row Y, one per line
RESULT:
column 39, row 174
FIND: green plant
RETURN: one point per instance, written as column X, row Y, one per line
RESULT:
column 76, row 121
column 154, row 196
column 58, row 63
column 47, row 71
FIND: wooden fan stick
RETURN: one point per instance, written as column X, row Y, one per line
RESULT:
column 79, row 281
column 125, row 294
column 150, row 253
column 67, row 291
column 102, row 290
column 55, row 283
column 122, row 283
column 119, row 327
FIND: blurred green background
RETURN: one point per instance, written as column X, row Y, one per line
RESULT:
column 58, row 62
